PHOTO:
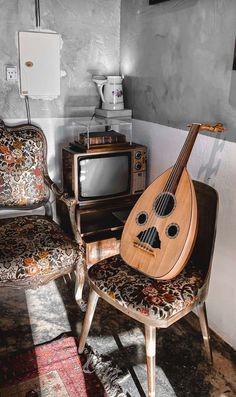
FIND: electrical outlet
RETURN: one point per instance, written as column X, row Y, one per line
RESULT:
column 11, row 73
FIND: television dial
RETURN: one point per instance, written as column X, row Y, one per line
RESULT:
column 138, row 155
column 138, row 166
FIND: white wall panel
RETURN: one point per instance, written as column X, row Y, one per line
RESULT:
column 39, row 64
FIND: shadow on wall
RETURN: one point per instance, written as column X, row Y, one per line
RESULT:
column 232, row 92
column 210, row 169
column 148, row 97
column 140, row 96
column 172, row 6
column 80, row 106
column 64, row 134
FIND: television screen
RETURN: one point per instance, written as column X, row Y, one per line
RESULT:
column 106, row 175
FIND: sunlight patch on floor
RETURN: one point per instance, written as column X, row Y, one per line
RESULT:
column 46, row 312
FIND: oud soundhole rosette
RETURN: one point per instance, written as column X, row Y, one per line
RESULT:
column 164, row 204
column 172, row 230
column 142, row 218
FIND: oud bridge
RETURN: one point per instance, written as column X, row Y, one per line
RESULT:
column 148, row 240
column 144, row 247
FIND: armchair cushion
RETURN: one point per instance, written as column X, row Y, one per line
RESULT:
column 157, row 299
column 22, row 167
column 34, row 250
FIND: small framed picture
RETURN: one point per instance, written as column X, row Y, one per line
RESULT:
column 156, row 1
column 234, row 61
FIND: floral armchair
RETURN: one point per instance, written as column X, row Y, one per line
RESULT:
column 33, row 248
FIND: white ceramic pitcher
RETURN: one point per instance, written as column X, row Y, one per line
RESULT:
column 111, row 91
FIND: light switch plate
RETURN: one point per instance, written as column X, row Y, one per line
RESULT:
column 11, row 73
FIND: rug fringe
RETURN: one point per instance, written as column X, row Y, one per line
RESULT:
column 105, row 371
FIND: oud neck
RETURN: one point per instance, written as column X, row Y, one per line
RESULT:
column 173, row 180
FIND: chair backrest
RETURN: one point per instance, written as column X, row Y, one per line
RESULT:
column 23, row 152
column 207, row 201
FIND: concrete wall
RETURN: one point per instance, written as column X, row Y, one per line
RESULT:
column 177, row 59
column 90, row 32
column 212, row 161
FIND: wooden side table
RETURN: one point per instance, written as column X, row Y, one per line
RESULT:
column 101, row 231
column 100, row 228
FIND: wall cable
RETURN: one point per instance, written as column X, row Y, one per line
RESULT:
column 37, row 13
column 37, row 19
column 27, row 106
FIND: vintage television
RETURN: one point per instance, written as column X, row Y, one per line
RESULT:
column 104, row 174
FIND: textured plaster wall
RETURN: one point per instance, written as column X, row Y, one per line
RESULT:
column 90, row 32
column 177, row 60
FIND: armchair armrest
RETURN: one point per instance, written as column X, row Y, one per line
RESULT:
column 70, row 204
column 53, row 186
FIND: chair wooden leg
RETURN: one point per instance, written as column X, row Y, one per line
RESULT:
column 205, row 330
column 92, row 303
column 150, row 337
column 79, row 285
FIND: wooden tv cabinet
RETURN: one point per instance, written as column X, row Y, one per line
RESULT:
column 100, row 227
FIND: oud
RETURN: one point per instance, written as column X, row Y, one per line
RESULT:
column 160, row 231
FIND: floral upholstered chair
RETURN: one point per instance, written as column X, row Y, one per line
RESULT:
column 33, row 248
column 159, row 303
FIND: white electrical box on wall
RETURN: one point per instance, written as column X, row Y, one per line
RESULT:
column 39, row 64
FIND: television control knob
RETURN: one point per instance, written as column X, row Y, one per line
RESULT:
column 138, row 155
column 138, row 166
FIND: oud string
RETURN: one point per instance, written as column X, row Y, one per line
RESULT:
column 164, row 199
column 149, row 234
column 161, row 207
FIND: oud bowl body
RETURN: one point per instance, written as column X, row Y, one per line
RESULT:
column 175, row 231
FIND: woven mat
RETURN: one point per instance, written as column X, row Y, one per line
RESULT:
column 55, row 369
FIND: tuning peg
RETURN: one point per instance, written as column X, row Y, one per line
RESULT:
column 219, row 128
column 212, row 128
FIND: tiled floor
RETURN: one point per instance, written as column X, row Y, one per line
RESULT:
column 182, row 368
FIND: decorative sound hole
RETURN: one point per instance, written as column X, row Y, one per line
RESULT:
column 141, row 218
column 150, row 237
column 164, row 204
column 172, row 230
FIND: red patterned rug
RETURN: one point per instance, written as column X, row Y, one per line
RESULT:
column 53, row 370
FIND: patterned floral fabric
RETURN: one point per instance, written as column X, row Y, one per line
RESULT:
column 34, row 247
column 22, row 162
column 156, row 299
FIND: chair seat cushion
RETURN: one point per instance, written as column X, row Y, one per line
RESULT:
column 157, row 299
column 34, row 250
